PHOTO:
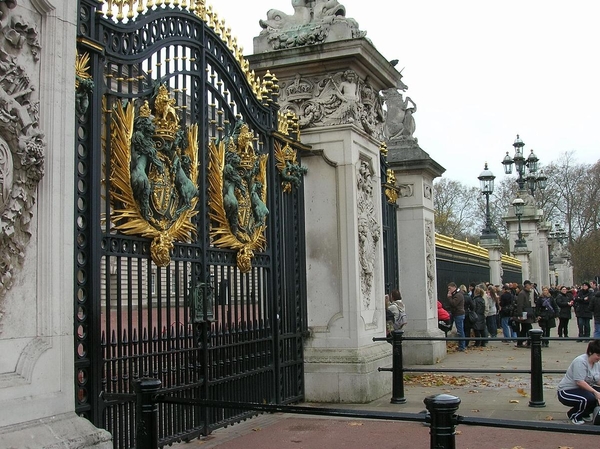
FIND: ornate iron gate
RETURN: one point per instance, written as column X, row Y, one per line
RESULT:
column 389, row 195
column 189, row 221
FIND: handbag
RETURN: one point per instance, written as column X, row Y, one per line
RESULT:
column 530, row 313
column 472, row 316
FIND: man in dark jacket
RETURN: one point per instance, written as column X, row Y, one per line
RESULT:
column 525, row 311
column 457, row 312
column 595, row 310
column 582, row 310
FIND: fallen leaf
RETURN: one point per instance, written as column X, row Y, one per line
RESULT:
column 354, row 423
column 549, row 418
column 256, row 429
column 522, row 392
column 458, row 432
column 513, row 401
column 475, row 410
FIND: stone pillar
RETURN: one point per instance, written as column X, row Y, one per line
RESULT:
column 543, row 231
column 491, row 242
column 495, row 255
column 37, row 398
column 522, row 254
column 533, row 257
column 332, row 89
column 415, row 172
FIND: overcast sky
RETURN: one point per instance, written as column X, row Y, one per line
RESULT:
column 480, row 72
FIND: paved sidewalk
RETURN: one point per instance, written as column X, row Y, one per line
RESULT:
column 498, row 396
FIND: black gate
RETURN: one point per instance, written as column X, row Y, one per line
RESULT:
column 389, row 195
column 190, row 264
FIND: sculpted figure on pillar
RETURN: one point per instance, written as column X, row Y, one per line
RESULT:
column 336, row 99
column 312, row 22
column 399, row 122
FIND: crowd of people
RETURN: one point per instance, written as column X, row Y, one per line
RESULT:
column 483, row 310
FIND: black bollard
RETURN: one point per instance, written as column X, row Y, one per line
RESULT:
column 397, row 369
column 442, row 408
column 146, row 411
column 537, row 381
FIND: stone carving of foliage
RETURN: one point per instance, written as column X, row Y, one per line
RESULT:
column 22, row 144
column 430, row 257
column 368, row 231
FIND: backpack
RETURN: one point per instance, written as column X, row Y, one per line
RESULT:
column 400, row 318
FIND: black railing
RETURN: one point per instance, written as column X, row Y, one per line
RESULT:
column 441, row 417
column 534, row 341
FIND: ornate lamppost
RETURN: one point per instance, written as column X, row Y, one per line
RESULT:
column 519, row 206
column 489, row 236
column 526, row 168
column 486, row 182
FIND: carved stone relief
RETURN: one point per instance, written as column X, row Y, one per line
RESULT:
column 430, row 262
column 368, row 231
column 313, row 22
column 335, row 99
column 22, row 144
column 427, row 191
column 406, row 190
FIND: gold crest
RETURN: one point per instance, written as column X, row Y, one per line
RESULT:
column 154, row 174
column 237, row 189
column 287, row 163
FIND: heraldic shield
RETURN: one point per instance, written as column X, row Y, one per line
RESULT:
column 237, row 194
column 154, row 174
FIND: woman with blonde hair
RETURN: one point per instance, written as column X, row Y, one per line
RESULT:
column 491, row 311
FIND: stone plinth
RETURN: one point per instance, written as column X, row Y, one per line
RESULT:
column 415, row 172
column 332, row 88
column 534, row 256
column 492, row 243
column 344, row 314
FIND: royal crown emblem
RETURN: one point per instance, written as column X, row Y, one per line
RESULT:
column 290, row 170
column 238, row 194
column 154, row 174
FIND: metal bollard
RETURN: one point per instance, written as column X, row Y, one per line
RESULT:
column 146, row 413
column 442, row 408
column 537, row 381
column 397, row 369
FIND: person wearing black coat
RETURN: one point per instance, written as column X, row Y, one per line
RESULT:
column 582, row 310
column 564, row 301
column 546, row 311
column 595, row 309
column 479, row 327
column 469, row 307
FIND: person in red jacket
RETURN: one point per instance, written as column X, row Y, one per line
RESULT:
column 444, row 322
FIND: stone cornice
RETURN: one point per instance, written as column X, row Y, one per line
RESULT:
column 358, row 54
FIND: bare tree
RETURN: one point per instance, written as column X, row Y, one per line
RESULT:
column 571, row 199
column 456, row 210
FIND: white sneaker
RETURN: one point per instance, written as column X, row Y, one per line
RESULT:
column 577, row 422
